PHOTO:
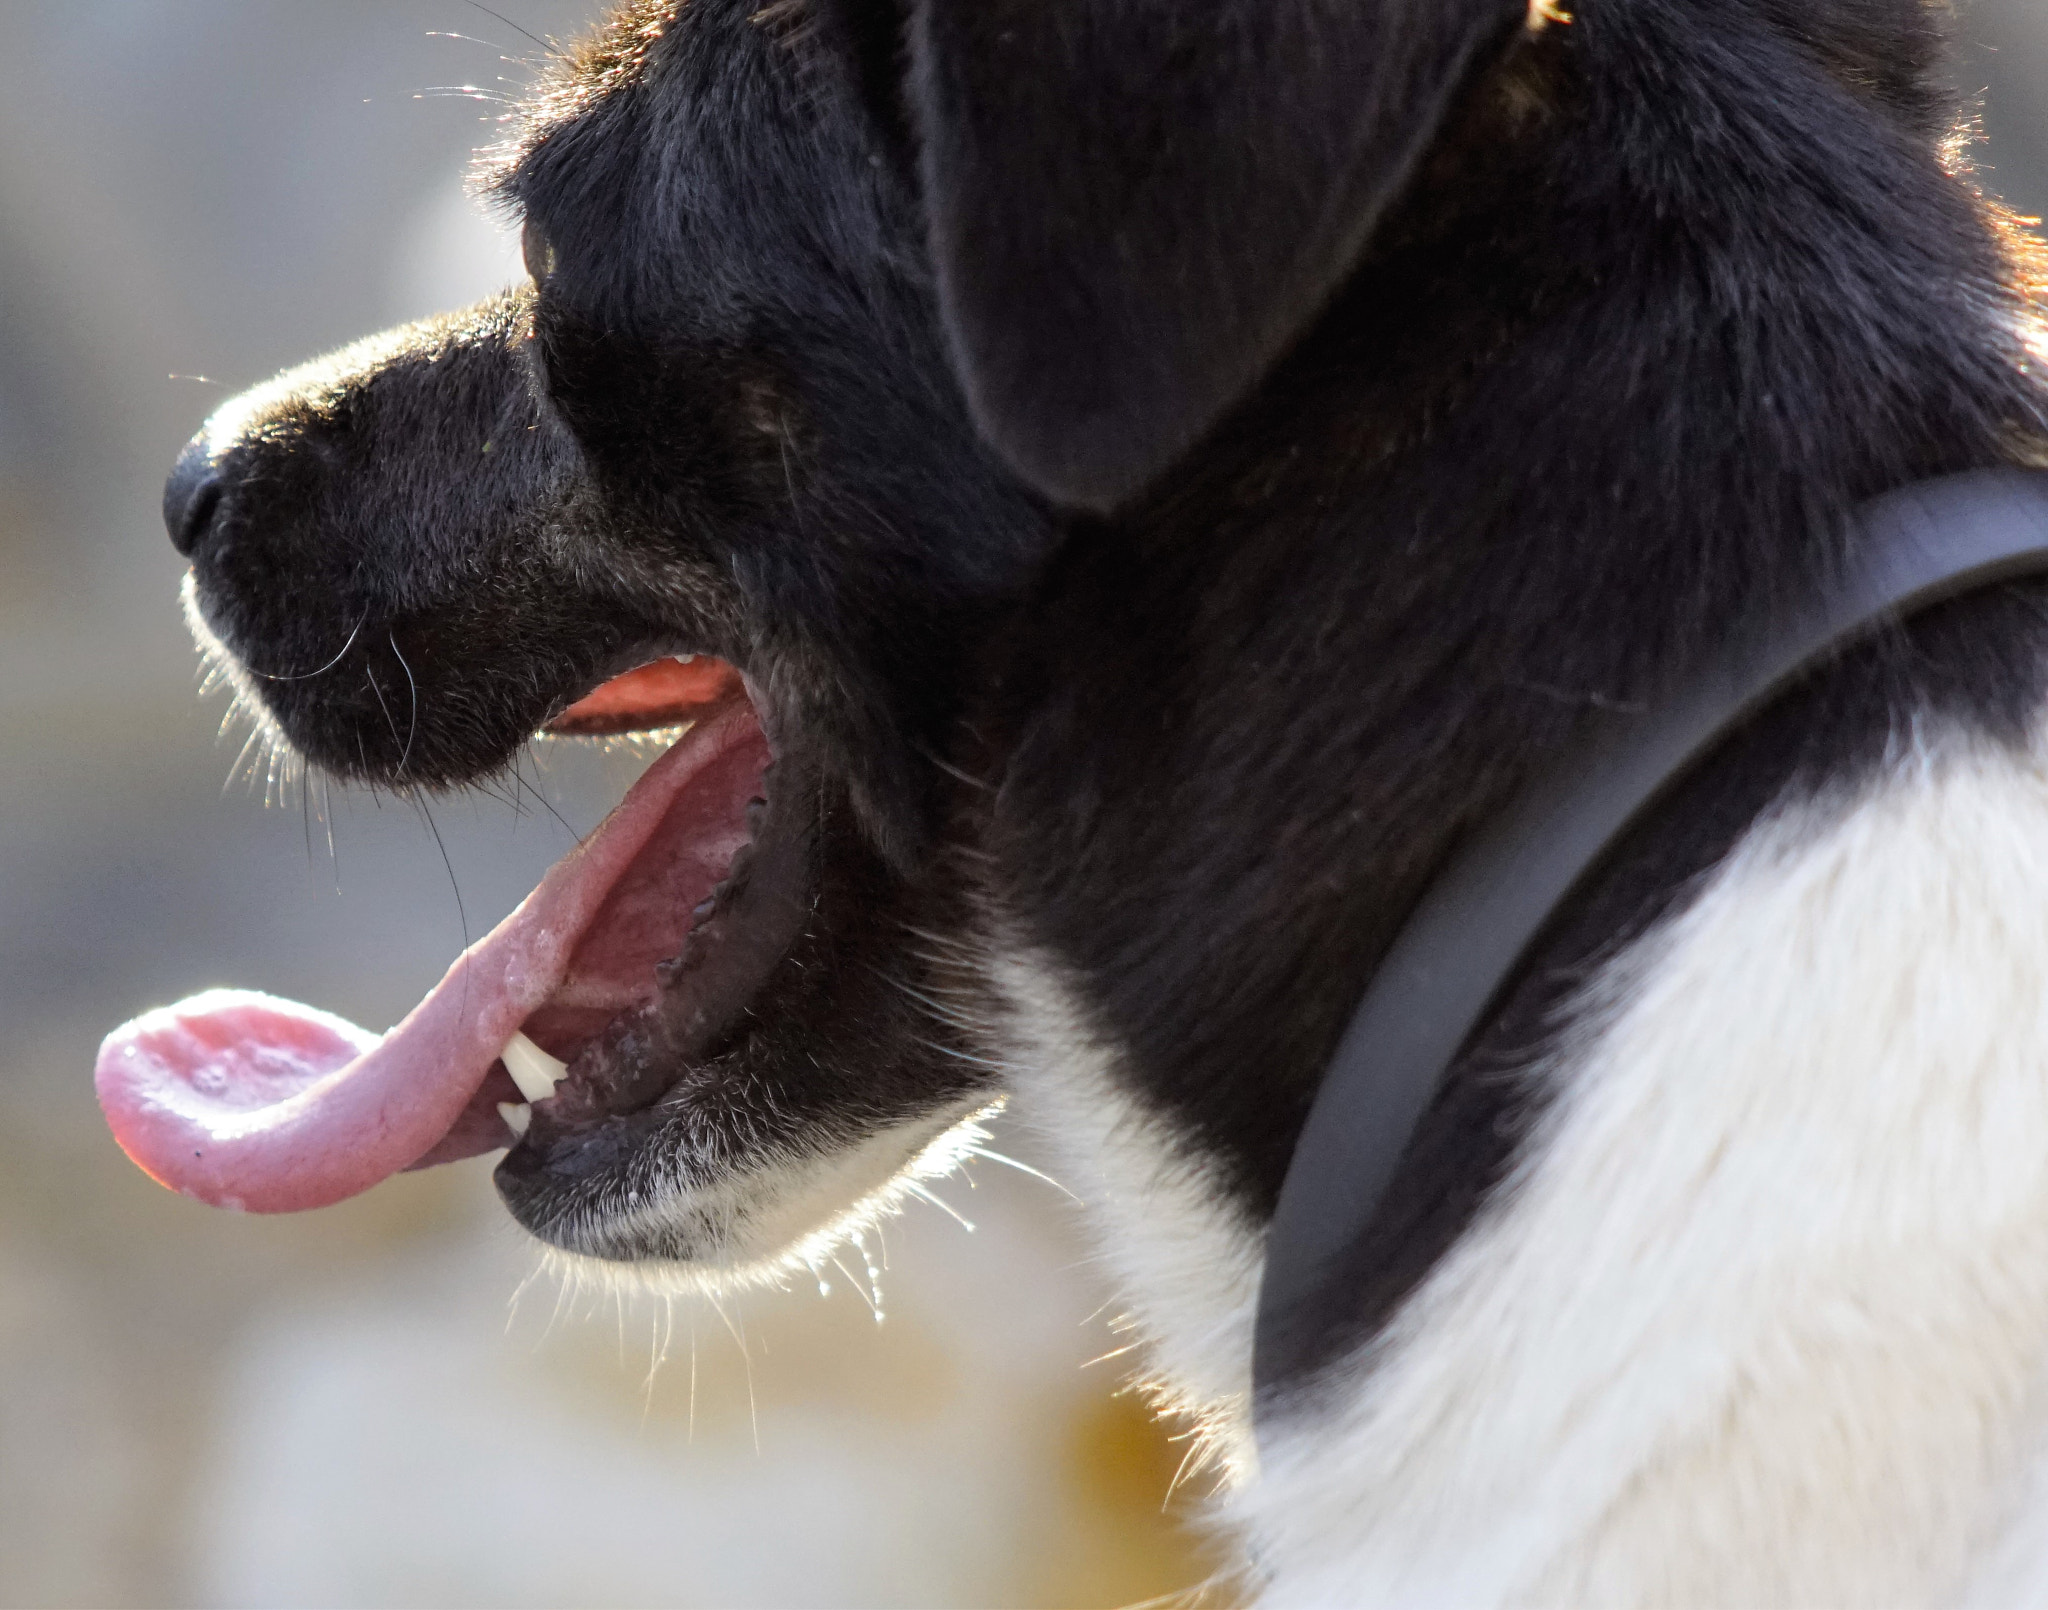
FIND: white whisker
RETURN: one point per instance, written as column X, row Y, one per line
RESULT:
column 944, row 1207
column 1023, row 1168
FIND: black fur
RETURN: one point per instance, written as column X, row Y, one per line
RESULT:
column 1668, row 299
column 1430, row 380
column 722, row 424
column 1133, row 208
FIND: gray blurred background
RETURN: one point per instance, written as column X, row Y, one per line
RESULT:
column 349, row 1408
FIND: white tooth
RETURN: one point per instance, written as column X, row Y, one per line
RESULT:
column 682, row 659
column 532, row 1069
column 517, row 1115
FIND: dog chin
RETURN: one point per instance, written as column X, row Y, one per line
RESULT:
column 781, row 1214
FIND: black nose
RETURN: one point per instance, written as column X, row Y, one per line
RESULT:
column 191, row 496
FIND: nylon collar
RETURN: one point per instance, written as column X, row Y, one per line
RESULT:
column 1465, row 938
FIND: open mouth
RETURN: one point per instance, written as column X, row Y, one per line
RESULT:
column 635, row 954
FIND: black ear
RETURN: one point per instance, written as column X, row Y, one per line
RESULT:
column 1135, row 204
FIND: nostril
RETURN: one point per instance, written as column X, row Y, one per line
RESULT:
column 198, row 516
column 191, row 496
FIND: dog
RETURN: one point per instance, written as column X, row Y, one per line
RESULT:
column 1163, row 472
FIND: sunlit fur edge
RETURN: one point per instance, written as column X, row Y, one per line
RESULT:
column 579, row 1273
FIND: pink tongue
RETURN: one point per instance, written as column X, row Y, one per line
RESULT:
column 251, row 1102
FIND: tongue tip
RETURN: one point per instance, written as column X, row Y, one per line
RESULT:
column 175, row 1112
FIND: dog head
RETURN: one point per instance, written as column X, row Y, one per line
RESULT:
column 844, row 317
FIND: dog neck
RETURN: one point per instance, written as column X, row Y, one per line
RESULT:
column 1609, row 383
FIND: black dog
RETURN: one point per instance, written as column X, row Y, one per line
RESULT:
column 1166, row 469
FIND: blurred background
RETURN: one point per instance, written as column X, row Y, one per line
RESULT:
column 386, row 1403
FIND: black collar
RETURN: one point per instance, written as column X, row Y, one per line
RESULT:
column 1466, row 936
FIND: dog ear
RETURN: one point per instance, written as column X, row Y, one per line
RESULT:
column 1134, row 205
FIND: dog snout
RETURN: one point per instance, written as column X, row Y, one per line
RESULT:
column 192, row 495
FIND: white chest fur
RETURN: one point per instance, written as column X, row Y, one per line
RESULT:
column 1762, row 1318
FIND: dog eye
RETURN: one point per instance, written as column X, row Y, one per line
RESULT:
column 539, row 255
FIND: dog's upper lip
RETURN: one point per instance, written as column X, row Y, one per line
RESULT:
column 245, row 1101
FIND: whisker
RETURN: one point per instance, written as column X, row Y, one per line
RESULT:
column 235, row 769
column 472, row 39
column 327, row 821
column 746, row 1358
column 1023, row 1168
column 961, row 1056
column 412, row 729
column 546, row 45
column 857, row 1286
column 370, row 676
column 461, row 911
column 546, row 804
column 492, row 789
column 307, row 676
column 463, row 92
column 655, row 1355
column 981, row 784
column 947, row 1208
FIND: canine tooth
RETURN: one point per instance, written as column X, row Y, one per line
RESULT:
column 682, row 659
column 532, row 1069
column 517, row 1115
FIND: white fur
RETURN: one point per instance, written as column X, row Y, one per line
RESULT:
column 782, row 1216
column 2014, row 1570
column 1762, row 1318
column 1172, row 1243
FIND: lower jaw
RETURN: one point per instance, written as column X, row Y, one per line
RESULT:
column 782, row 1212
